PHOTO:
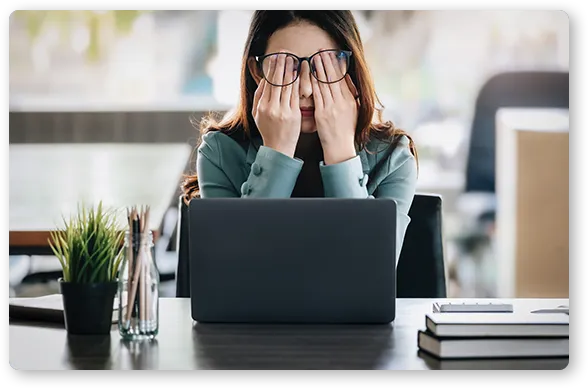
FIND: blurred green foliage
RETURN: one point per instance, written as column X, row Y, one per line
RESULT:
column 120, row 21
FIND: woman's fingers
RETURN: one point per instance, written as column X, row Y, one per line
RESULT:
column 257, row 96
column 325, row 90
column 331, row 73
column 295, row 97
column 349, row 90
column 277, row 79
column 268, row 88
column 288, row 78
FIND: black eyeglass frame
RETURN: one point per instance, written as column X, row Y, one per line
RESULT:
column 259, row 59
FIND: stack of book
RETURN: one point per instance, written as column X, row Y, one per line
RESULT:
column 525, row 363
column 495, row 335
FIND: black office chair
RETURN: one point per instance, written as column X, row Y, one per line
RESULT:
column 541, row 89
column 510, row 89
column 421, row 268
column 182, row 244
column 531, row 89
column 477, row 205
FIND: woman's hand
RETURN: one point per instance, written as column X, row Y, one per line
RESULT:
column 276, row 109
column 335, row 111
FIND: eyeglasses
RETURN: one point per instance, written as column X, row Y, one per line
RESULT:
column 332, row 67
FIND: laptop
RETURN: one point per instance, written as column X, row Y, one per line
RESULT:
column 294, row 260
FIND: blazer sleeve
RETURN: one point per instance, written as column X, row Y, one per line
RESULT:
column 347, row 180
column 272, row 175
column 401, row 186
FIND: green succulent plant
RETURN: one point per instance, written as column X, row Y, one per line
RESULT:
column 89, row 247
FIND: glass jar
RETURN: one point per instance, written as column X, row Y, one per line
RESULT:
column 138, row 288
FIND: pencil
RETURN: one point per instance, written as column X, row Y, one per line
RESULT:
column 148, row 263
column 148, row 283
column 142, row 292
column 133, row 283
column 137, row 250
column 130, row 216
column 142, row 271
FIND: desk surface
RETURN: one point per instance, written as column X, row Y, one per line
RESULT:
column 182, row 344
column 50, row 180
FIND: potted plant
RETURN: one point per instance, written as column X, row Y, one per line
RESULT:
column 89, row 248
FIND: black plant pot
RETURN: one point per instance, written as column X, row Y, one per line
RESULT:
column 88, row 307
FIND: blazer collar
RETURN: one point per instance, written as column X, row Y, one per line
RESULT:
column 364, row 161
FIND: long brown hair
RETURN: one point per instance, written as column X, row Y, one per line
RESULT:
column 341, row 26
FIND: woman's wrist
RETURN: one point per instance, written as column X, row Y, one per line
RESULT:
column 286, row 148
column 338, row 153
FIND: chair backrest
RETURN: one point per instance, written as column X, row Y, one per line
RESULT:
column 182, row 244
column 421, row 269
column 511, row 89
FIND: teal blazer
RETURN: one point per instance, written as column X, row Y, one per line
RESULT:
column 227, row 168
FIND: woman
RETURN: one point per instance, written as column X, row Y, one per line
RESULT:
column 307, row 123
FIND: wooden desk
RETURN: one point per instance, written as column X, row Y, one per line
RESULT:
column 48, row 180
column 181, row 344
column 532, row 188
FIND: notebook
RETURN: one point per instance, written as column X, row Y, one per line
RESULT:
column 48, row 308
column 526, row 363
column 500, row 347
column 498, row 325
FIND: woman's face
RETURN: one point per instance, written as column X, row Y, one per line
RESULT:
column 302, row 39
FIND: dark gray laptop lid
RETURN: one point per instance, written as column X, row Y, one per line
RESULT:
column 293, row 260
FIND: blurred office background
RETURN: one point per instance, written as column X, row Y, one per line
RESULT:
column 143, row 76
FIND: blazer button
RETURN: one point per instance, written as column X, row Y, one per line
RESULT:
column 363, row 181
column 245, row 188
column 256, row 168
